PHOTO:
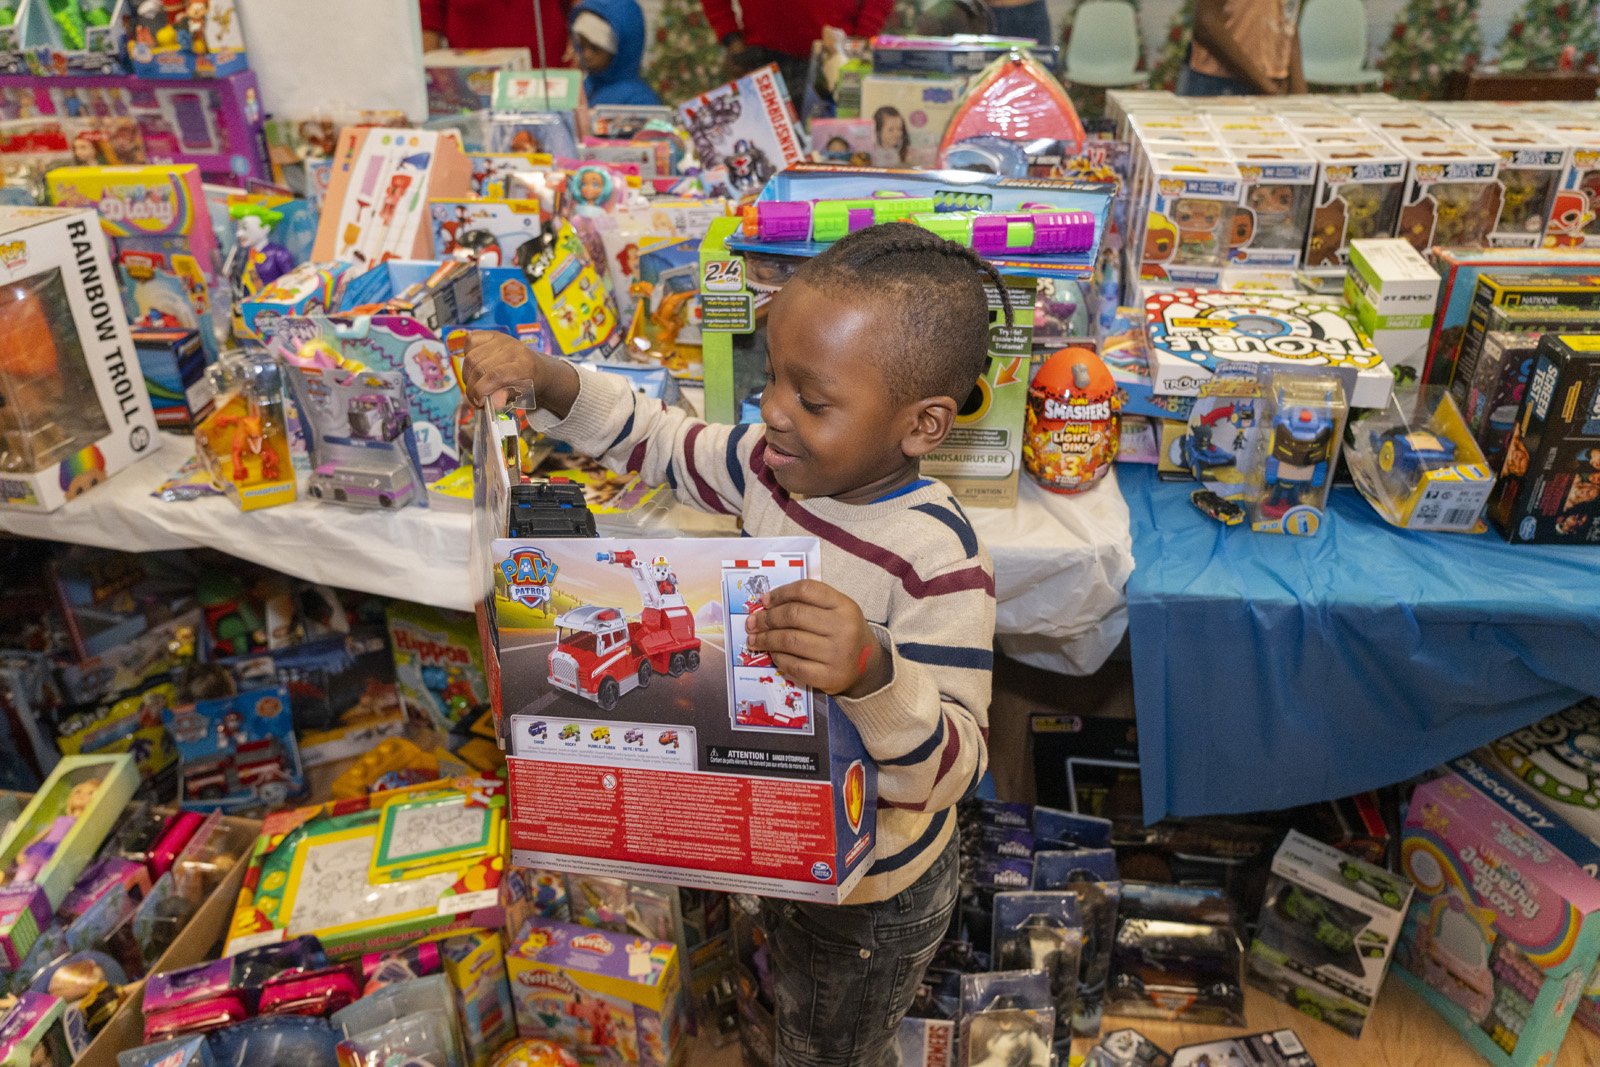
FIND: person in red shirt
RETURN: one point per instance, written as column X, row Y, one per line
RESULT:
column 776, row 32
column 498, row 24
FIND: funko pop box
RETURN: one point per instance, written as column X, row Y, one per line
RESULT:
column 1502, row 933
column 642, row 738
column 76, row 410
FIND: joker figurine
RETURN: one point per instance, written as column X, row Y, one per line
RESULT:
column 260, row 261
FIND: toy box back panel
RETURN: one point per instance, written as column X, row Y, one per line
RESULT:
column 1501, row 935
column 645, row 740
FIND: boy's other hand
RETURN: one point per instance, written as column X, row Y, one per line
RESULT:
column 495, row 361
column 818, row 637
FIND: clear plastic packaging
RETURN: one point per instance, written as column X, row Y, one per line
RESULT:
column 1177, row 970
column 1418, row 465
column 244, row 442
column 1300, row 418
column 1006, row 1019
column 49, row 409
column 1042, row 932
column 379, row 1021
column 423, row 1037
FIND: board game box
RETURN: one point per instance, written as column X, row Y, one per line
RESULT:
column 645, row 740
column 1192, row 330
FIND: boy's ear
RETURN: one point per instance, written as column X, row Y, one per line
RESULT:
column 930, row 421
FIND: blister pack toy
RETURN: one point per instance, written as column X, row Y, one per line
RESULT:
column 743, row 132
column 1042, row 932
column 358, row 431
column 1418, row 466
column 1007, row 1018
column 244, row 443
column 238, row 754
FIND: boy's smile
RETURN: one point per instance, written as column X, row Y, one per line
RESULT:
column 833, row 428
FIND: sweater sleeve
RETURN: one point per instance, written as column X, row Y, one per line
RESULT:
column 720, row 14
column 433, row 16
column 706, row 464
column 927, row 727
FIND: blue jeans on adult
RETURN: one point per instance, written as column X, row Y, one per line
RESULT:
column 1025, row 20
column 1192, row 82
column 845, row 976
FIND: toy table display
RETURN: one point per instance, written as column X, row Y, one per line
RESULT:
column 1359, row 658
column 359, row 874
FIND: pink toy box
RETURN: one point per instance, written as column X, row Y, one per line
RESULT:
column 1502, row 933
column 214, row 123
column 162, row 240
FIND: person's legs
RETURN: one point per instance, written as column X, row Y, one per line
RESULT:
column 846, row 975
column 1025, row 20
column 1192, row 82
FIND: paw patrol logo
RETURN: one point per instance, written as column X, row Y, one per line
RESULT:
column 14, row 253
column 529, row 574
column 1429, row 172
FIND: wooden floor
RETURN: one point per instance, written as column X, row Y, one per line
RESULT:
column 1403, row 1032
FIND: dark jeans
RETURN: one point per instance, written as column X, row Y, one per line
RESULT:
column 793, row 68
column 1027, row 20
column 1193, row 83
column 846, row 975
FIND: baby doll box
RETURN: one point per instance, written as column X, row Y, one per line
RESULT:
column 76, row 408
column 54, row 838
column 1502, row 934
column 375, row 871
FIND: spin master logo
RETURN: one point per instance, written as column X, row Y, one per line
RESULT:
column 529, row 575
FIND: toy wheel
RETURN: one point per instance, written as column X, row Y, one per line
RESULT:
column 385, row 499
column 339, row 495
column 1386, row 457
column 693, row 659
column 677, row 664
column 608, row 693
column 316, row 491
column 1391, row 898
column 646, row 672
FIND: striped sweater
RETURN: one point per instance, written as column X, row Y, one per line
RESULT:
column 910, row 560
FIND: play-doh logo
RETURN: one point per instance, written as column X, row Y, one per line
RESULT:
column 596, row 942
column 549, row 981
column 529, row 575
column 14, row 253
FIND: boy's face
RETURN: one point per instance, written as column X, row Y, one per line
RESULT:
column 592, row 59
column 832, row 428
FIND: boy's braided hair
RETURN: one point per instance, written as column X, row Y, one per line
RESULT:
column 932, row 293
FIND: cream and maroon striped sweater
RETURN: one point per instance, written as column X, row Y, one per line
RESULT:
column 911, row 561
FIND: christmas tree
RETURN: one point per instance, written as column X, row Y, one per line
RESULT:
column 1430, row 39
column 685, row 60
column 1174, row 49
column 1544, row 29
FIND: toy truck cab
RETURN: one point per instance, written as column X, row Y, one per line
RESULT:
column 374, row 417
column 594, row 656
column 259, row 766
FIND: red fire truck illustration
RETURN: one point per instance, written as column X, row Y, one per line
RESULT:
column 601, row 654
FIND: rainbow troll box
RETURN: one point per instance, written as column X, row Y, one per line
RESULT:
column 645, row 740
column 1502, row 933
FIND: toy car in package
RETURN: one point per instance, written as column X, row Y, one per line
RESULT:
column 1418, row 465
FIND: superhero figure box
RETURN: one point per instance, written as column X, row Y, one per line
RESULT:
column 646, row 740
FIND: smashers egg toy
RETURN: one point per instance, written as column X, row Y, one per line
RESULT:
column 531, row 1052
column 1070, row 431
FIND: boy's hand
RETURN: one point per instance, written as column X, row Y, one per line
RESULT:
column 818, row 637
column 495, row 361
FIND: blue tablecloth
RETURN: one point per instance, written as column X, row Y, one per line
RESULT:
column 1271, row 671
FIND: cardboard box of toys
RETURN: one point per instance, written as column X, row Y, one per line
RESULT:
column 76, row 410
column 613, row 998
column 1549, row 487
column 428, row 858
column 1502, row 932
column 55, row 837
column 1326, row 932
column 161, row 235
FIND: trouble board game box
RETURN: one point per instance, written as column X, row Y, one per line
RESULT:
column 1501, row 936
column 1193, row 330
column 1547, row 761
column 1549, row 488
column 646, row 740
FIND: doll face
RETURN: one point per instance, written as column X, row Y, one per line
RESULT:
column 1244, row 228
column 591, row 187
column 1197, row 214
column 82, row 794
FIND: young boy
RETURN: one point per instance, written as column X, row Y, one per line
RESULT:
column 873, row 345
column 608, row 43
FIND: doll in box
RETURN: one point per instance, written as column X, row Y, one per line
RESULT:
column 42, row 381
column 1277, row 223
column 1198, row 222
column 36, row 853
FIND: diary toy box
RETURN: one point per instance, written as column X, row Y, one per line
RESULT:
column 1502, row 933
column 613, row 998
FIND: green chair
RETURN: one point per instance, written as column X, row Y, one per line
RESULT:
column 1333, row 43
column 1104, row 50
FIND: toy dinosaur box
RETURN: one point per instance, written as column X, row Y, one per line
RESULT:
column 1327, row 929
column 646, row 740
column 612, row 998
column 1502, row 934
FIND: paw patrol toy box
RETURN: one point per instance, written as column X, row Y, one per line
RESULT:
column 612, row 998
column 643, row 738
column 74, row 409
column 1502, row 934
